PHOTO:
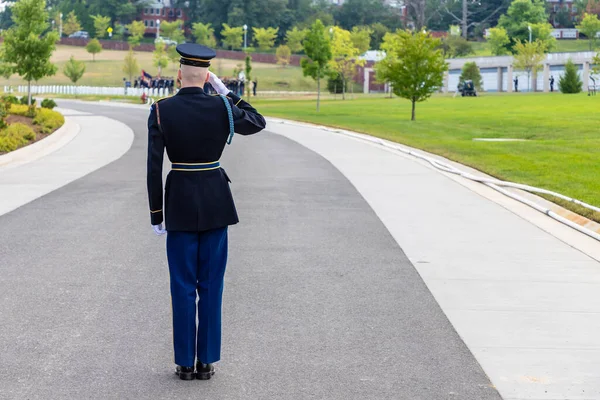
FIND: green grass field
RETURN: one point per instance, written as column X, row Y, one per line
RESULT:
column 107, row 71
column 562, row 150
column 562, row 46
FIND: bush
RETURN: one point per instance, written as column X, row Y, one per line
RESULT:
column 3, row 114
column 24, row 100
column 48, row 103
column 456, row 46
column 31, row 111
column 570, row 81
column 10, row 99
column 15, row 136
column 19, row 109
column 471, row 72
column 48, row 120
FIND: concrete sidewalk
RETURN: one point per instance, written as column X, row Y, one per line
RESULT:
column 526, row 303
column 101, row 140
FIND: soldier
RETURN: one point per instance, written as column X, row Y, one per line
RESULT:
column 194, row 127
column 552, row 83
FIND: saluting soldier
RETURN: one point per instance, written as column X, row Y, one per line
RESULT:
column 194, row 127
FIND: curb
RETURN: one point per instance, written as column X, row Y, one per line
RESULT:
column 373, row 140
column 37, row 150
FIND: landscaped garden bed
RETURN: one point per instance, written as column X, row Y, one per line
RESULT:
column 22, row 125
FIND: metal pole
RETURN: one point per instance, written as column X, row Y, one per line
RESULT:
column 60, row 27
column 157, row 28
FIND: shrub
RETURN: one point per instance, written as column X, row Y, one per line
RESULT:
column 3, row 114
column 19, row 109
column 570, row 81
column 31, row 111
column 14, row 136
column 10, row 99
column 48, row 103
column 24, row 100
column 48, row 120
column 471, row 72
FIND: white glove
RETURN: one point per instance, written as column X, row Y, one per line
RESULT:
column 159, row 230
column 217, row 84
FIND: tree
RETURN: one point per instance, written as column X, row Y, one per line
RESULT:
column 265, row 37
column 414, row 65
column 159, row 57
column 26, row 49
column 74, row 70
column 101, row 24
column 474, row 12
column 173, row 30
column 470, row 71
column 248, row 68
column 136, row 32
column 499, row 41
column 590, row 27
column 563, row 18
column 379, row 31
column 529, row 58
column 345, row 56
column 204, row 34
column 71, row 25
column 294, row 38
column 232, row 37
column 361, row 38
column 570, row 81
column 93, row 47
column 284, row 53
column 524, row 13
column 456, row 46
column 318, row 49
column 130, row 65
column 173, row 56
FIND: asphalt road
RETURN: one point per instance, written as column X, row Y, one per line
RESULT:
column 320, row 302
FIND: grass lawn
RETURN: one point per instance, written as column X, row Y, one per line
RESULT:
column 562, row 46
column 562, row 150
column 107, row 71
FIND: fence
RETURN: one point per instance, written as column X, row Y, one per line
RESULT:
column 89, row 90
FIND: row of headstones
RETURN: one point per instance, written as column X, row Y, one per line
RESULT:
column 89, row 90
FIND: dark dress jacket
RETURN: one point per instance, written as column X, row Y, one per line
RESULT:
column 194, row 128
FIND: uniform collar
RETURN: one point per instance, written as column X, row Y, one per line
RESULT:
column 191, row 90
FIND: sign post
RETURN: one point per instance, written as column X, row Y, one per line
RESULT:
column 110, row 31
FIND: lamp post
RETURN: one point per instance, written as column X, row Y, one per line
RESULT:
column 245, row 36
column 60, row 26
column 157, row 28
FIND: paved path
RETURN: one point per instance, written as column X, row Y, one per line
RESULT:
column 320, row 301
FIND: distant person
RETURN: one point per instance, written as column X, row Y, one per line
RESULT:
column 241, row 83
column 254, row 87
column 552, row 83
column 517, row 84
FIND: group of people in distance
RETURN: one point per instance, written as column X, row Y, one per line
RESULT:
column 156, row 83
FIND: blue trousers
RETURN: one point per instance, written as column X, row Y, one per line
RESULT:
column 197, row 266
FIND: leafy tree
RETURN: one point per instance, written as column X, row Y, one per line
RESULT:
column 130, row 65
column 74, row 70
column 116, row 10
column 173, row 30
column 294, row 38
column 265, row 37
column 94, row 47
column 173, row 56
column 119, row 33
column 101, row 24
column 456, row 46
column 318, row 49
column 361, row 38
column 136, row 32
column 159, row 57
column 232, row 37
column 470, row 14
column 529, row 58
column 284, row 53
column 499, row 41
column 570, row 81
column 345, row 56
column 590, row 26
column 71, row 25
column 27, row 48
column 524, row 13
column 414, row 65
column 470, row 71
column 563, row 18
column 204, row 34
column 248, row 69
column 379, row 31
column 6, row 18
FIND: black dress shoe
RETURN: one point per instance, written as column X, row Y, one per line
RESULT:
column 185, row 373
column 204, row 371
